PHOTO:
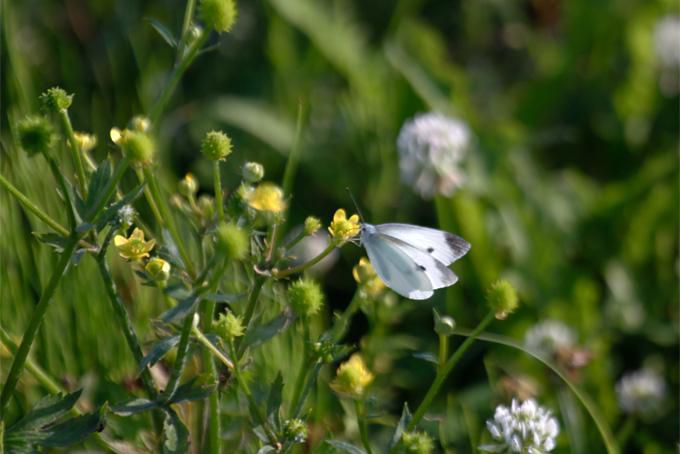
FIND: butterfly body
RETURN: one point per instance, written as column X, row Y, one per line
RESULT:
column 412, row 260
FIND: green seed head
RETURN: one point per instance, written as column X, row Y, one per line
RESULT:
column 55, row 99
column 218, row 15
column 229, row 326
column 232, row 241
column 36, row 135
column 417, row 443
column 295, row 430
column 502, row 298
column 216, row 145
column 305, row 297
column 138, row 146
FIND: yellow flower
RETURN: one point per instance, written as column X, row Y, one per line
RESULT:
column 158, row 269
column 352, row 377
column 342, row 228
column 85, row 141
column 134, row 247
column 266, row 197
column 369, row 282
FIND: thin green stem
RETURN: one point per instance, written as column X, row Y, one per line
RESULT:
column 149, row 198
column 180, row 360
column 250, row 310
column 304, row 366
column 363, row 427
column 109, row 190
column 186, row 23
column 63, row 185
column 200, row 337
column 217, row 177
column 178, row 71
column 75, row 151
column 341, row 325
column 298, row 269
column 443, row 351
column 32, row 207
column 38, row 373
column 444, row 372
column 169, row 220
column 35, row 322
column 294, row 155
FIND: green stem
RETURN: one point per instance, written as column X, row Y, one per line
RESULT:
column 294, row 155
column 32, row 207
column 250, row 310
column 363, row 427
column 65, row 190
column 177, row 73
column 443, row 351
column 180, row 360
column 149, row 198
column 169, row 220
column 444, row 372
column 218, row 190
column 35, row 322
column 200, row 337
column 298, row 269
column 75, row 151
column 186, row 23
column 40, row 375
column 340, row 327
column 109, row 190
column 304, row 366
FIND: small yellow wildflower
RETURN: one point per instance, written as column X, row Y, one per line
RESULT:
column 85, row 141
column 267, row 197
column 352, row 377
column 158, row 269
column 133, row 248
column 342, row 228
column 368, row 280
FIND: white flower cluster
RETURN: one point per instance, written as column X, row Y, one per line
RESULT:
column 667, row 41
column 524, row 427
column 126, row 215
column 431, row 147
column 641, row 392
column 548, row 337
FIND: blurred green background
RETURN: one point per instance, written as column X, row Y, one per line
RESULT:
column 571, row 193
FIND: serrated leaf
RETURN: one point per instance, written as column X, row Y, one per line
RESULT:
column 52, row 239
column 274, row 401
column 175, row 434
column 133, row 406
column 344, row 446
column 265, row 332
column 180, row 311
column 188, row 391
column 403, row 423
column 46, row 411
column 158, row 351
column 73, row 430
column 164, row 31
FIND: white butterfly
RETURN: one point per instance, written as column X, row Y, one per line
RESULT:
column 411, row 260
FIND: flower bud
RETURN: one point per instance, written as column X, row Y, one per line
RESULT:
column 417, row 443
column 188, row 186
column 218, row 15
column 305, row 297
column 158, row 269
column 55, row 99
column 352, row 377
column 295, row 430
column 138, row 146
column 140, row 123
column 216, row 145
column 36, row 135
column 443, row 325
column 502, row 298
column 85, row 141
column 232, row 241
column 207, row 206
column 312, row 225
column 253, row 172
column 229, row 326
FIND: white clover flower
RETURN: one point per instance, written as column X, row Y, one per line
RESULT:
column 524, row 427
column 667, row 41
column 641, row 392
column 549, row 337
column 431, row 147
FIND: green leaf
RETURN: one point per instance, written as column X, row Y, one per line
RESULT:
column 175, row 434
column 52, row 239
column 46, row 411
column 223, row 297
column 403, row 423
column 164, row 31
column 343, row 446
column 158, row 351
column 426, row 356
column 188, row 391
column 73, row 430
column 266, row 449
column 134, row 406
column 98, row 183
column 274, row 401
column 265, row 332
column 180, row 311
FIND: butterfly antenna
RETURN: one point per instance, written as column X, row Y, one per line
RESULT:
column 356, row 205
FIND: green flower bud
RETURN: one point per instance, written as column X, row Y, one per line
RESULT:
column 502, row 298
column 218, row 15
column 85, row 141
column 158, row 269
column 295, row 430
column 207, row 206
column 417, row 443
column 312, row 225
column 138, row 146
column 188, row 186
column 229, row 326
column 232, row 241
column 305, row 297
column 216, row 145
column 443, row 326
column 55, row 99
column 36, row 135
column 195, row 32
column 140, row 123
column 253, row 172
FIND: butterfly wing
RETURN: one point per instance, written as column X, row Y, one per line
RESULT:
column 396, row 268
column 438, row 274
column 443, row 246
